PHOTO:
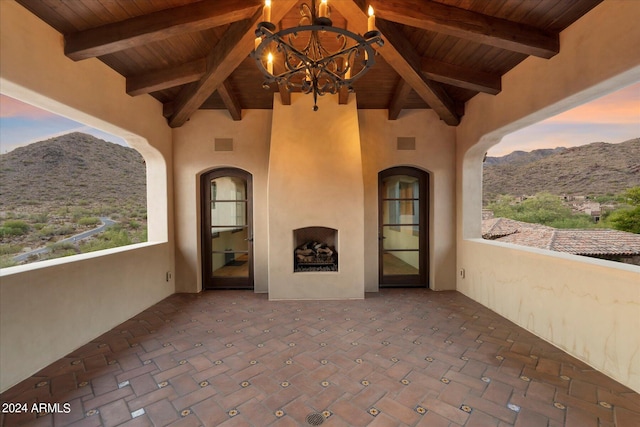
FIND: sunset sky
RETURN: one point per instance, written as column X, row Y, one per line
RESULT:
column 612, row 118
column 22, row 124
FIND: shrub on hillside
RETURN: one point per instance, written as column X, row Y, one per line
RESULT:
column 14, row 228
column 7, row 262
column 61, row 247
column 42, row 217
column 89, row 221
column 9, row 249
column 112, row 238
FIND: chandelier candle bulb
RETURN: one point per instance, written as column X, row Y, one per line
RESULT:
column 371, row 22
column 323, row 9
column 266, row 12
column 270, row 63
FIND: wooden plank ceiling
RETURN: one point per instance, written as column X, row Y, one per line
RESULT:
column 193, row 54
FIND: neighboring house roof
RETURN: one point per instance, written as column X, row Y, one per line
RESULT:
column 596, row 242
column 499, row 227
column 592, row 242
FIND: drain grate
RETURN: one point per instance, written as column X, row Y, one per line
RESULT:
column 315, row 419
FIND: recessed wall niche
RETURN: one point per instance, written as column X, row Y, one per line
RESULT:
column 315, row 249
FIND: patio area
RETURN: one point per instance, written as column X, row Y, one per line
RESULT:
column 401, row 357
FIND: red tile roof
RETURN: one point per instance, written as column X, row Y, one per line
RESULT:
column 578, row 242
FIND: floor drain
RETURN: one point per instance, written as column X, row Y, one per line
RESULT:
column 315, row 419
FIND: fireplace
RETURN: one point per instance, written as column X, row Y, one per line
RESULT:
column 315, row 194
column 315, row 249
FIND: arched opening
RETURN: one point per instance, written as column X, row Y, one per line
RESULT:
column 70, row 188
column 403, row 223
column 567, row 183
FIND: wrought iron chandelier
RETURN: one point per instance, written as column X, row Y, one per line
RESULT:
column 308, row 65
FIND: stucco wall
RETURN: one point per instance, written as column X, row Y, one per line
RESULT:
column 315, row 180
column 194, row 153
column 434, row 153
column 587, row 307
column 51, row 308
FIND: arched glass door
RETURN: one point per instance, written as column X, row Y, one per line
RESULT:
column 402, row 227
column 227, row 230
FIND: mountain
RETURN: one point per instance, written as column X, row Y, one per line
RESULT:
column 76, row 168
column 598, row 168
column 522, row 157
column 80, row 169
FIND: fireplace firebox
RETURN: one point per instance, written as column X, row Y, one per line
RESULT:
column 315, row 249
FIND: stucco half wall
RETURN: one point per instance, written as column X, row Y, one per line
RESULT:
column 587, row 307
column 49, row 309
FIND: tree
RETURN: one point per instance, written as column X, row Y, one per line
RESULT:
column 504, row 206
column 633, row 196
column 628, row 219
column 543, row 208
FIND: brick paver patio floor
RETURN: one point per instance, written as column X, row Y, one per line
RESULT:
column 401, row 357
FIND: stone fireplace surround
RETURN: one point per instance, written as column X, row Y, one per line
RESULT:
column 315, row 180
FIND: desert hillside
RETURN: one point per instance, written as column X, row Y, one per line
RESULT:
column 76, row 169
column 593, row 169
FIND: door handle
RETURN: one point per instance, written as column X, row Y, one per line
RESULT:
column 249, row 239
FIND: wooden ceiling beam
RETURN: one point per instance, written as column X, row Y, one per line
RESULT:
column 401, row 55
column 465, row 24
column 463, row 77
column 403, row 58
column 233, row 47
column 230, row 100
column 439, row 71
column 166, row 78
column 285, row 94
column 167, row 109
column 343, row 95
column 157, row 26
column 355, row 24
column 402, row 91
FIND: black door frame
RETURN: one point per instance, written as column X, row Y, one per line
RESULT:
column 205, row 229
column 422, row 278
